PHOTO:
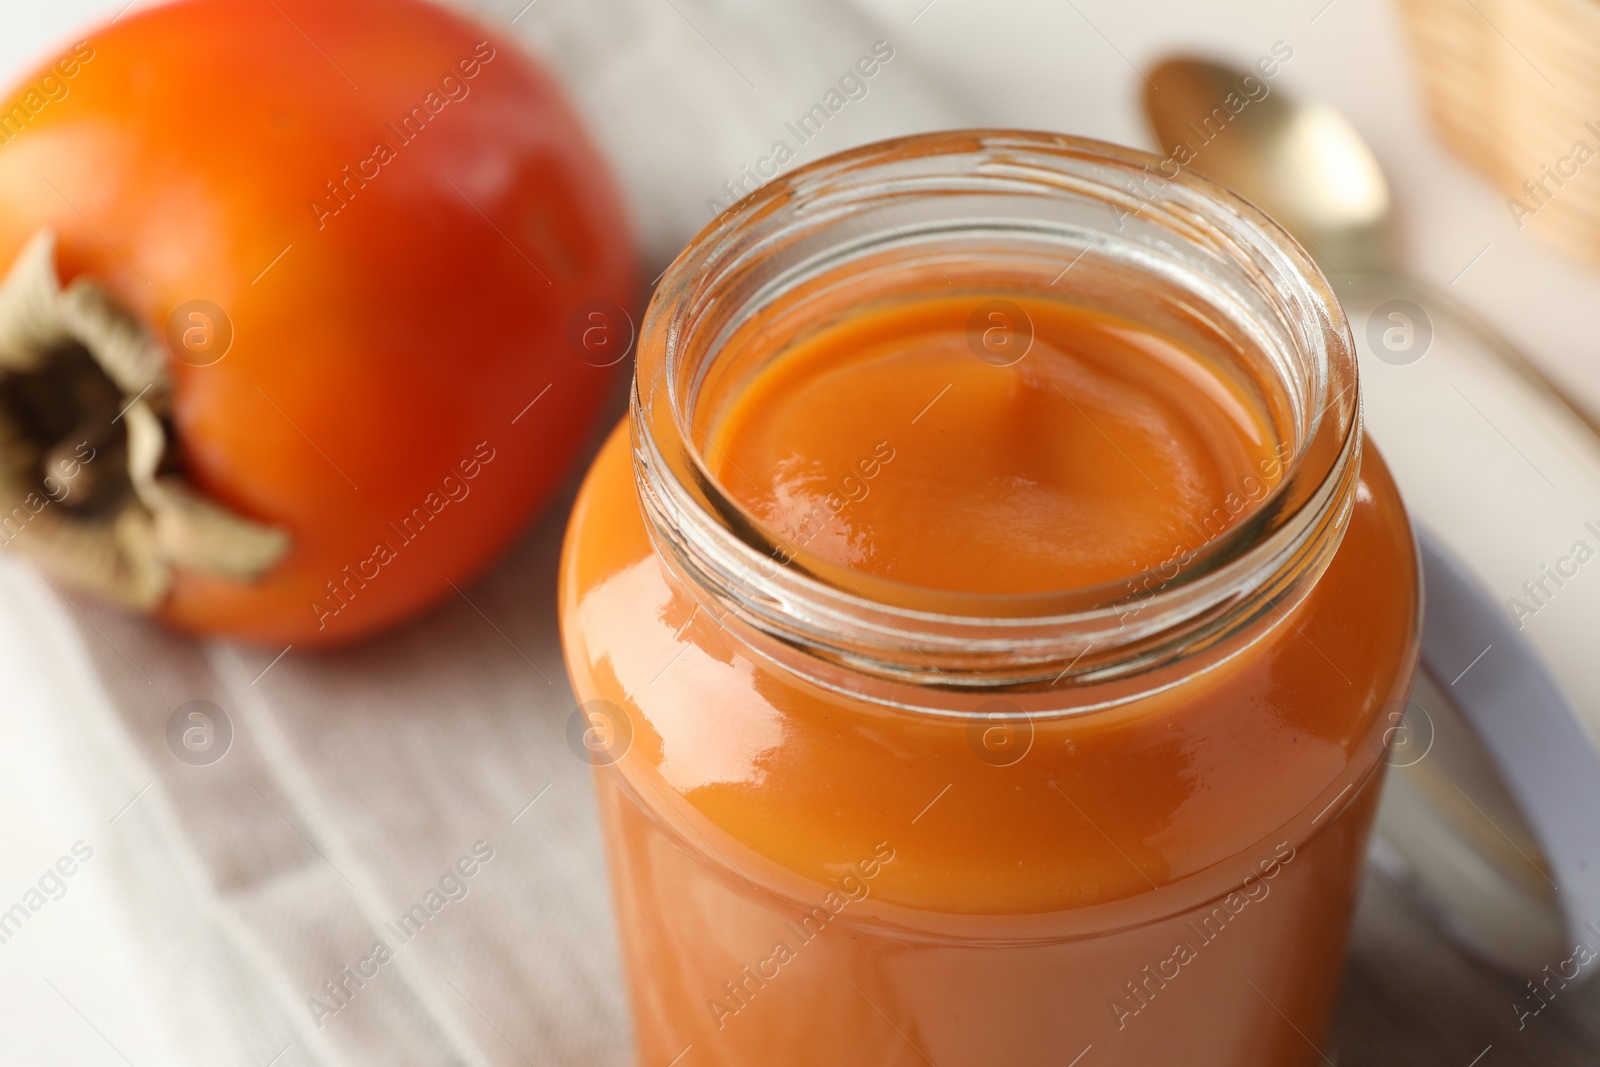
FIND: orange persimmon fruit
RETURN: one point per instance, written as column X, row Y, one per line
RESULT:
column 392, row 220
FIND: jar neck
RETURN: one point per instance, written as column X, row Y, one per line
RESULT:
column 997, row 211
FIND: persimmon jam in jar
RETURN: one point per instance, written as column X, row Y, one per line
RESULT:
column 987, row 623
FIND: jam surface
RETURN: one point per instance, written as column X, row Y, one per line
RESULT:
column 977, row 450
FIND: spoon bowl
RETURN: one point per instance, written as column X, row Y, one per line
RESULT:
column 1302, row 163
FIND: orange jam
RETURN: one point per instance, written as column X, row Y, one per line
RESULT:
column 882, row 444
column 841, row 843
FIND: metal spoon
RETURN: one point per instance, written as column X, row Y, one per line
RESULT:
column 1508, row 739
column 1303, row 163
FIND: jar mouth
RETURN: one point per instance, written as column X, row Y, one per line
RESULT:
column 1176, row 250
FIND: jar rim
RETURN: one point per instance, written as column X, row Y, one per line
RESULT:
column 827, row 624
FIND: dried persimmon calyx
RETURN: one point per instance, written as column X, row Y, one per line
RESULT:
column 87, row 488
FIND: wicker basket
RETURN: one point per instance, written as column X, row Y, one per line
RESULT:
column 1514, row 87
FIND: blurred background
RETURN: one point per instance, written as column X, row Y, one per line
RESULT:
column 218, row 899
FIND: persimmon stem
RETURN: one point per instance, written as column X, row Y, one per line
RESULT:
column 89, row 487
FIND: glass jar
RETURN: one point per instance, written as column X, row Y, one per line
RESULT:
column 850, row 822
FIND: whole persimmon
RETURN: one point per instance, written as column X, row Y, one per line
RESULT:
column 307, row 307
